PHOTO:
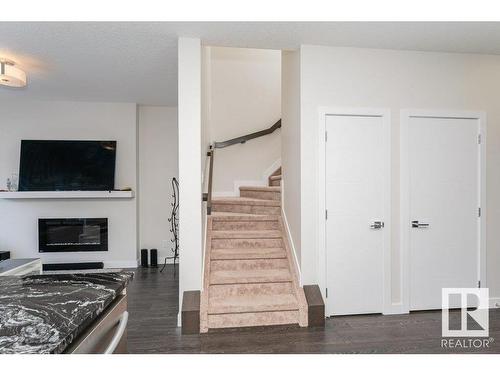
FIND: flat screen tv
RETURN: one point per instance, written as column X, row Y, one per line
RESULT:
column 67, row 165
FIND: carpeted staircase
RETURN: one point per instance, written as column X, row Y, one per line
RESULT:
column 250, row 278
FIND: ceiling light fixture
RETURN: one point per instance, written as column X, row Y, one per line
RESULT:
column 11, row 75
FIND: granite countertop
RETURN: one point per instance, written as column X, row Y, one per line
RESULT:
column 45, row 313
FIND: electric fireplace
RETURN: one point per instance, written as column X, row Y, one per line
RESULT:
column 75, row 234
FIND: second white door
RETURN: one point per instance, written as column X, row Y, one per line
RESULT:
column 443, row 196
column 356, row 187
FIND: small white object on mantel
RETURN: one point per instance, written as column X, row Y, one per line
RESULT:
column 114, row 194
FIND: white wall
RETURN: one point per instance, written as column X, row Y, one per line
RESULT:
column 245, row 96
column 206, row 86
column 290, row 144
column 158, row 164
column 350, row 77
column 206, row 78
column 22, row 119
column 190, row 208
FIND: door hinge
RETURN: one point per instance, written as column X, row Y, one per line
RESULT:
column 479, row 139
column 479, row 212
column 479, row 284
column 326, row 136
column 326, row 214
column 326, row 292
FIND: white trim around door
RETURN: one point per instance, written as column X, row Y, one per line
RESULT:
column 405, row 116
column 321, row 202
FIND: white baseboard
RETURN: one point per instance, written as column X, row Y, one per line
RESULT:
column 169, row 261
column 218, row 194
column 239, row 183
column 121, row 264
column 292, row 245
column 269, row 171
column 398, row 308
column 395, row 309
column 495, row 303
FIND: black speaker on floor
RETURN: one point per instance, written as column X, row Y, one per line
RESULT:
column 144, row 257
column 153, row 255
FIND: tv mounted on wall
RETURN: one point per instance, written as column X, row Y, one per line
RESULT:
column 67, row 165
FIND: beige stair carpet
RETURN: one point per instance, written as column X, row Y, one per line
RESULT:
column 250, row 278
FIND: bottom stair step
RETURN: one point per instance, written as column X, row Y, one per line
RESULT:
column 253, row 319
column 241, row 304
column 242, row 298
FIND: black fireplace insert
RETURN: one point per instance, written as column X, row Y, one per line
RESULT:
column 75, row 234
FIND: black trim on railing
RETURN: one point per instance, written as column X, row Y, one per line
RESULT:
column 248, row 137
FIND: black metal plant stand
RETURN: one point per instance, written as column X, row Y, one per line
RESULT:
column 174, row 225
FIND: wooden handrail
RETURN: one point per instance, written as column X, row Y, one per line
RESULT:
column 248, row 137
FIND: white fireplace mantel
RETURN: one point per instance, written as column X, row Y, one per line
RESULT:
column 67, row 195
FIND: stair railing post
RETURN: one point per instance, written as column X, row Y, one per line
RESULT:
column 210, row 179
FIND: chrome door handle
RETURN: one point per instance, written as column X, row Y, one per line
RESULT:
column 377, row 225
column 416, row 224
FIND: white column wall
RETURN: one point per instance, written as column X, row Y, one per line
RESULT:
column 190, row 204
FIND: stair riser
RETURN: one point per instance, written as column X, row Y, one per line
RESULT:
column 236, row 217
column 248, row 265
column 275, row 183
column 221, row 291
column 253, row 319
column 247, row 308
column 251, row 234
column 246, row 225
column 226, row 254
column 246, row 209
column 246, row 243
column 269, row 195
column 279, row 275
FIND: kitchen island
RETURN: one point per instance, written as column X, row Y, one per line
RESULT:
column 57, row 313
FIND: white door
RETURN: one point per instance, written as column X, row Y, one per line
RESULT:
column 444, row 200
column 356, row 190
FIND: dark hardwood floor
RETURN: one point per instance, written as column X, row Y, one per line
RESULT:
column 153, row 307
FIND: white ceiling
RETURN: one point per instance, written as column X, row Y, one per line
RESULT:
column 137, row 62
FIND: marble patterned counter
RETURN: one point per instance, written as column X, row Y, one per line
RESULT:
column 45, row 313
